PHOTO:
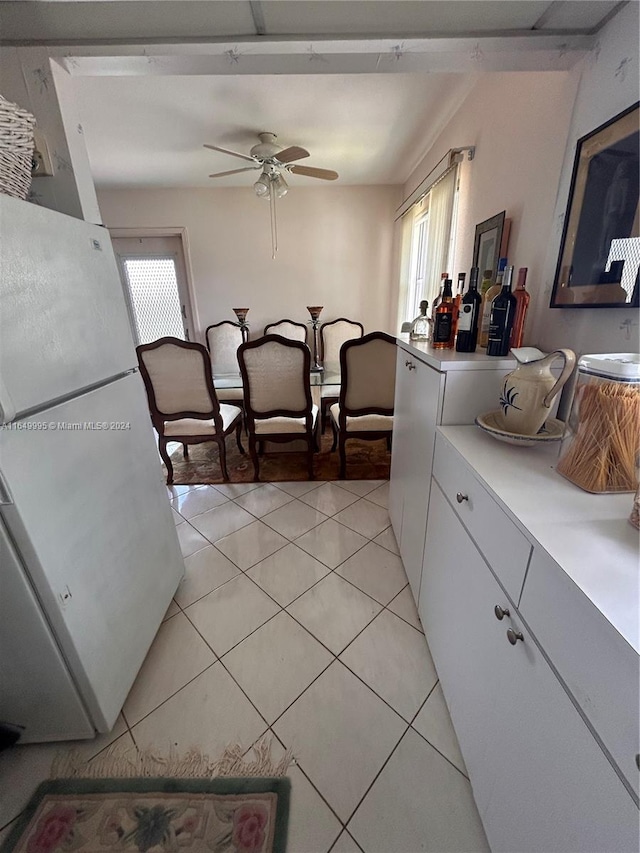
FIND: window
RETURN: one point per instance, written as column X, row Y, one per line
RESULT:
column 428, row 235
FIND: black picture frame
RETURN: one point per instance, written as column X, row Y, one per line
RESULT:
column 591, row 271
column 487, row 245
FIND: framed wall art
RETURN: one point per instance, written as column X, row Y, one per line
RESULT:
column 599, row 254
column 490, row 242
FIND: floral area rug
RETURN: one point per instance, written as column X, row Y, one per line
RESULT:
column 366, row 460
column 224, row 815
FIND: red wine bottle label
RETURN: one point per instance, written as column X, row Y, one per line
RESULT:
column 442, row 330
column 464, row 318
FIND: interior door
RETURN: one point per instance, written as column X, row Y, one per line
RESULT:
column 154, row 276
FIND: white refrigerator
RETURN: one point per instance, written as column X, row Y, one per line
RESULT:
column 89, row 557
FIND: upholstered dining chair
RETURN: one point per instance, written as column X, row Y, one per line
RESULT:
column 277, row 395
column 288, row 329
column 182, row 400
column 332, row 336
column 223, row 340
column 367, row 389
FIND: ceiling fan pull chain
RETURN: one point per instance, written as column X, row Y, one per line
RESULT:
column 274, row 224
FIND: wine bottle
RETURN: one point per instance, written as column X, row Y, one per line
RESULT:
column 457, row 300
column 469, row 315
column 523, row 296
column 503, row 309
column 420, row 326
column 489, row 296
column 443, row 321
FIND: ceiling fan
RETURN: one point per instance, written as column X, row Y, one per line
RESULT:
column 272, row 160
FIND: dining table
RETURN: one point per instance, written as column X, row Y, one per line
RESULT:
column 228, row 376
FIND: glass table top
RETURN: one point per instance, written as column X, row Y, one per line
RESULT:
column 226, row 377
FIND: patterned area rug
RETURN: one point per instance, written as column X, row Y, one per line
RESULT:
column 223, row 815
column 366, row 460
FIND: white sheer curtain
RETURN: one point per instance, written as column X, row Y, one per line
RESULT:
column 406, row 237
column 440, row 217
column 425, row 254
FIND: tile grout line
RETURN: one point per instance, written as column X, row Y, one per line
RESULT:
column 175, row 692
column 311, row 782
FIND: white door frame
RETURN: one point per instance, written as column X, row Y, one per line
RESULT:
column 184, row 238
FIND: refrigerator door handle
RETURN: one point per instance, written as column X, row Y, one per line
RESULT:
column 7, row 409
column 6, row 498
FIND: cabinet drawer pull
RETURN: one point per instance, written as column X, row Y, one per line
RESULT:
column 407, row 363
column 412, row 366
column 501, row 612
column 460, row 497
column 514, row 636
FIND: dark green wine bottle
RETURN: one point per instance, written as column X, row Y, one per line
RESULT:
column 503, row 310
column 469, row 315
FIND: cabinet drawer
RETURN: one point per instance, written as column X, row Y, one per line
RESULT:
column 504, row 547
column 596, row 663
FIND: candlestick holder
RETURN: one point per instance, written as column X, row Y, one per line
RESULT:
column 241, row 314
column 315, row 311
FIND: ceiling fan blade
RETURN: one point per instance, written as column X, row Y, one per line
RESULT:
column 233, row 153
column 311, row 172
column 294, row 152
column 235, row 171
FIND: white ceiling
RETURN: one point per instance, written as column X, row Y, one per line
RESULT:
column 372, row 129
column 201, row 19
column 155, row 79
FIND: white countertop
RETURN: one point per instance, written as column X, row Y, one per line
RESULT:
column 449, row 359
column 589, row 536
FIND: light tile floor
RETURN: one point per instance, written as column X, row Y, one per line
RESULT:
column 295, row 619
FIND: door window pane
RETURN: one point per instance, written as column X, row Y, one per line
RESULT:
column 153, row 288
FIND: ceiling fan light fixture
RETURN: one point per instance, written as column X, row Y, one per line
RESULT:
column 262, row 187
column 280, row 185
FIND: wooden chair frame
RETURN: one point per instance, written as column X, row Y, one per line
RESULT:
column 340, row 434
column 158, row 418
column 310, row 433
column 327, row 402
column 293, row 323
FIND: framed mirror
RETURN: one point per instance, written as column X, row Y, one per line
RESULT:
column 599, row 254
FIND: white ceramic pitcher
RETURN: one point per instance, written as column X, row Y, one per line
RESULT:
column 528, row 391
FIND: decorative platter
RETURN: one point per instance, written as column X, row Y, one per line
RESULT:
column 552, row 430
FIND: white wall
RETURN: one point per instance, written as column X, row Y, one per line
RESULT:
column 519, row 123
column 609, row 84
column 334, row 249
column 525, row 127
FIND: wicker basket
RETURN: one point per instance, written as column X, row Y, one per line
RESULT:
column 16, row 149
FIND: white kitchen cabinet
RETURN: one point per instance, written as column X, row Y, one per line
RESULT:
column 432, row 387
column 418, row 395
column 455, row 598
column 539, row 719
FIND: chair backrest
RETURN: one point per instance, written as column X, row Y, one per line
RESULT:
column 334, row 334
column 368, row 375
column 178, row 381
column 223, row 340
column 288, row 329
column 275, row 377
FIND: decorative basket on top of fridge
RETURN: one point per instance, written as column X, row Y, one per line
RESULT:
column 16, row 149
